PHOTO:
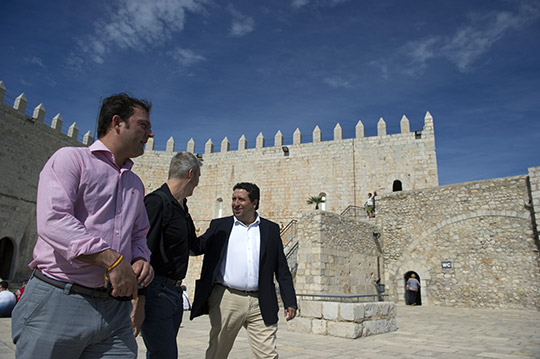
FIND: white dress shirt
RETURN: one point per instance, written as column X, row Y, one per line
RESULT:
column 240, row 269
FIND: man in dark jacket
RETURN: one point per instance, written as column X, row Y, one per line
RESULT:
column 243, row 253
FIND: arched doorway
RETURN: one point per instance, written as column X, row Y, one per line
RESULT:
column 397, row 186
column 418, row 295
column 6, row 257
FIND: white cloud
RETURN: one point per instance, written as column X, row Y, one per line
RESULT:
column 241, row 24
column 470, row 41
column 299, row 3
column 185, row 57
column 316, row 3
column 138, row 24
column 36, row 61
column 337, row 82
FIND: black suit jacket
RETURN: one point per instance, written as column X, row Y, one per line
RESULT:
column 272, row 261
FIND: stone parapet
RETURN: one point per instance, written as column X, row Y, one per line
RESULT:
column 336, row 255
column 345, row 320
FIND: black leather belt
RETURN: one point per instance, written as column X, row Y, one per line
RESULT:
column 240, row 291
column 169, row 281
column 96, row 293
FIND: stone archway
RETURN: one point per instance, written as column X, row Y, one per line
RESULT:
column 398, row 274
column 6, row 257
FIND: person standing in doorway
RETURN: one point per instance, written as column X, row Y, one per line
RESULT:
column 413, row 285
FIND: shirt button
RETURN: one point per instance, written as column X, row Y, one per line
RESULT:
column 117, row 232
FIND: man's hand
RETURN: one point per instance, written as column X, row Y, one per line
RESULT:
column 144, row 272
column 290, row 313
column 137, row 314
column 123, row 280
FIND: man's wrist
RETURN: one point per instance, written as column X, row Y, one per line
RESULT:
column 102, row 259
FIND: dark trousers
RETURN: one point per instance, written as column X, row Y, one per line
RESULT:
column 412, row 296
column 163, row 314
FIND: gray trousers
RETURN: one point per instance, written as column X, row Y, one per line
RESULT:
column 49, row 322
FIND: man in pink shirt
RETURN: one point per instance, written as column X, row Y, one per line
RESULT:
column 91, row 253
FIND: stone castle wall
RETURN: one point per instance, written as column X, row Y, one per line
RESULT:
column 487, row 230
column 484, row 229
column 344, row 170
column 26, row 143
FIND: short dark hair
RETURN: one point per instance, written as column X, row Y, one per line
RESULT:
column 121, row 104
column 253, row 191
column 4, row 284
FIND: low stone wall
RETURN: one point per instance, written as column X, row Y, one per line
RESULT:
column 345, row 320
column 336, row 255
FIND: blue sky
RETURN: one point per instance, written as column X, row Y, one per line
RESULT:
column 226, row 68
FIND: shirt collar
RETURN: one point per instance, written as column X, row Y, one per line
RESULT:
column 255, row 223
column 100, row 147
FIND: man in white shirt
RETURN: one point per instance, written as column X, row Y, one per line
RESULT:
column 243, row 253
column 7, row 300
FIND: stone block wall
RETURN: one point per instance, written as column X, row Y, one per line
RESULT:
column 336, row 255
column 26, row 143
column 344, row 170
column 346, row 320
column 484, row 229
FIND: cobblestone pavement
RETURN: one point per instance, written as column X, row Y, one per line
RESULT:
column 424, row 332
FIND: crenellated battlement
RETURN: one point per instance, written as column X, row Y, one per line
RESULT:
column 343, row 170
column 260, row 141
column 38, row 117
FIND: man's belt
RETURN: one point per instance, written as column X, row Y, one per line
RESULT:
column 169, row 281
column 96, row 293
column 240, row 291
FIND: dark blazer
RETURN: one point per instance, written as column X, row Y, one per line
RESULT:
column 272, row 261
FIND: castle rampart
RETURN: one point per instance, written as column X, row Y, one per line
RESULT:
column 26, row 143
column 342, row 170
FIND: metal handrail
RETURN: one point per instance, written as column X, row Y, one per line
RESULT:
column 342, row 298
column 292, row 222
column 351, row 208
column 292, row 229
column 289, row 251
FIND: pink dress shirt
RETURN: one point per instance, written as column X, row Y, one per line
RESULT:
column 87, row 204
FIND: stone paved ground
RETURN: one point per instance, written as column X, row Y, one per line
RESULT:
column 424, row 332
